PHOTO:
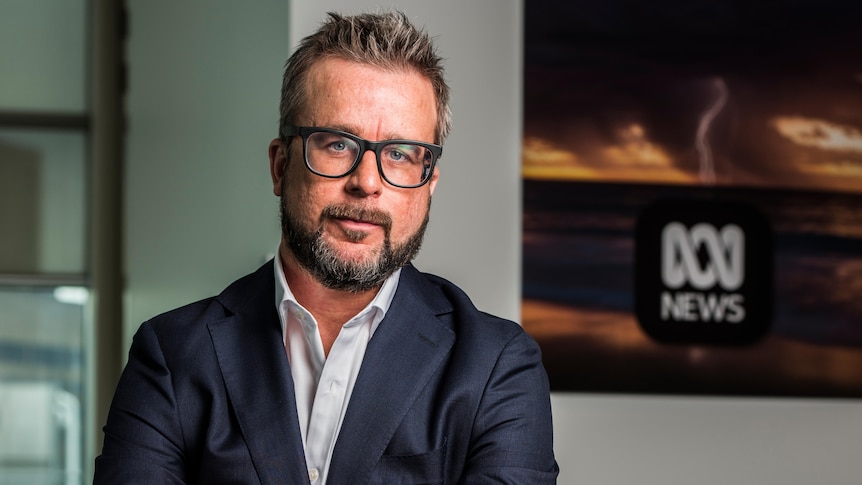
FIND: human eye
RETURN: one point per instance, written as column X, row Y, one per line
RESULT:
column 338, row 145
column 332, row 144
column 402, row 154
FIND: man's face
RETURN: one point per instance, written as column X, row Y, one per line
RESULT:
column 350, row 233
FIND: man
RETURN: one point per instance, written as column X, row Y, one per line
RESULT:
column 339, row 362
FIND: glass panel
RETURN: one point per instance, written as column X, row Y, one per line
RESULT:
column 43, row 55
column 42, row 201
column 41, row 385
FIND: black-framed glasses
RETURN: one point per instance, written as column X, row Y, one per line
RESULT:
column 333, row 154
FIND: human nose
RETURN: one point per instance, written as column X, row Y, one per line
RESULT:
column 365, row 179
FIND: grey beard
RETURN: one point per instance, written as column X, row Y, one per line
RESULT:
column 320, row 259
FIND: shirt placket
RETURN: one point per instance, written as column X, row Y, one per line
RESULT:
column 329, row 400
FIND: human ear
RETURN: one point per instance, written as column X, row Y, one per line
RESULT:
column 433, row 182
column 277, row 164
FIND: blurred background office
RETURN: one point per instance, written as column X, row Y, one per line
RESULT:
column 134, row 178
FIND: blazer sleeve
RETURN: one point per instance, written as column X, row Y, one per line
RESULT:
column 513, row 433
column 143, row 435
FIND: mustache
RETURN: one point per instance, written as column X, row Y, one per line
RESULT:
column 363, row 214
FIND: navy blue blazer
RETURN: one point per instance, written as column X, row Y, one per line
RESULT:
column 445, row 394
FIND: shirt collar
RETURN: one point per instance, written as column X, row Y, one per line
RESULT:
column 379, row 305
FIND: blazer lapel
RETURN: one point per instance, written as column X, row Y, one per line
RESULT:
column 256, row 373
column 406, row 350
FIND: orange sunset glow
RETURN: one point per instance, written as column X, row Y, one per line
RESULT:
column 816, row 153
column 632, row 158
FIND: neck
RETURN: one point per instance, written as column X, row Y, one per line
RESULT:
column 330, row 308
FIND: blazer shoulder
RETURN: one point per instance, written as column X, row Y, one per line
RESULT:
column 183, row 323
column 455, row 307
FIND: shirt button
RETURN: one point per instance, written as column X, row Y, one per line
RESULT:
column 313, row 474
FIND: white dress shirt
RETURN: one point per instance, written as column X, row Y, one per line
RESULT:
column 323, row 385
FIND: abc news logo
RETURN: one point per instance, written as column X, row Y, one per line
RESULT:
column 723, row 269
column 703, row 272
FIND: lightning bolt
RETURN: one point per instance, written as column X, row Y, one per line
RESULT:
column 707, row 170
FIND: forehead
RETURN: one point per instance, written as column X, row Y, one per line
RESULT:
column 348, row 94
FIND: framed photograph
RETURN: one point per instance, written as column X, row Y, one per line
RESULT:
column 692, row 183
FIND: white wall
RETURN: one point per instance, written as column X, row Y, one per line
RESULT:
column 202, row 109
column 199, row 213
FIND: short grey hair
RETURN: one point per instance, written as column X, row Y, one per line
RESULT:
column 385, row 40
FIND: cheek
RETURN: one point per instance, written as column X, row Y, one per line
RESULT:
column 412, row 215
column 298, row 198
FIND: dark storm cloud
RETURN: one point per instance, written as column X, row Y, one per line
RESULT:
column 592, row 68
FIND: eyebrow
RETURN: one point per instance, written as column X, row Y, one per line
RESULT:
column 348, row 129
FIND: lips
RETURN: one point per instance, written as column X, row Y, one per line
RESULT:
column 357, row 221
column 356, row 224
